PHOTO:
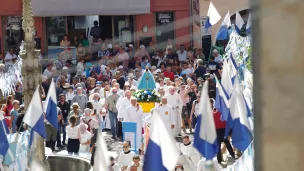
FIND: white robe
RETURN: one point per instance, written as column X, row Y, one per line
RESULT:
column 122, row 104
column 104, row 95
column 136, row 116
column 139, row 168
column 184, row 162
column 201, row 166
column 175, row 101
column 192, row 154
column 125, row 159
column 166, row 114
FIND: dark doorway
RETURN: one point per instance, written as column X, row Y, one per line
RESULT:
column 105, row 22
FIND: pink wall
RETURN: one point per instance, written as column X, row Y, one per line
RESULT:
column 182, row 28
column 12, row 8
column 145, row 19
column 169, row 5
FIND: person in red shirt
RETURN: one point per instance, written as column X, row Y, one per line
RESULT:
column 169, row 74
column 220, row 131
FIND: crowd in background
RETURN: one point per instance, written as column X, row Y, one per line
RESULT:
column 90, row 94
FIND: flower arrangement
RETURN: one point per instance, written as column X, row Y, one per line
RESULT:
column 147, row 96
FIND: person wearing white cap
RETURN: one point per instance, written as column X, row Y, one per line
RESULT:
column 164, row 110
column 134, row 113
column 80, row 98
column 175, row 101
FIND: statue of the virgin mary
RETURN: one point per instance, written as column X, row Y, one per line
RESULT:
column 146, row 81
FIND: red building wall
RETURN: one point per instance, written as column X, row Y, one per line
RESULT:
column 141, row 20
column 14, row 8
column 181, row 20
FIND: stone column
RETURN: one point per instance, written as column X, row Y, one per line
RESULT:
column 278, row 40
column 31, row 72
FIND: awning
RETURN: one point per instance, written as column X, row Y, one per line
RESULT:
column 45, row 8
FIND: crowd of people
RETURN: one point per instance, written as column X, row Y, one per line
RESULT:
column 98, row 97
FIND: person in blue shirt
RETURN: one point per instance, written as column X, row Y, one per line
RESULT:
column 14, row 115
column 145, row 62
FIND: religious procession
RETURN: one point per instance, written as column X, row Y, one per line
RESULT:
column 97, row 102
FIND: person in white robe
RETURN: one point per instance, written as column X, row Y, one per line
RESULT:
column 104, row 93
column 166, row 114
column 187, row 149
column 175, row 101
column 122, row 104
column 125, row 158
column 134, row 113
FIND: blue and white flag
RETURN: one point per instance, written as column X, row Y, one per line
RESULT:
column 205, row 139
column 241, row 132
column 248, row 25
column 50, row 109
column 227, row 74
column 162, row 153
column 239, row 22
column 221, row 100
column 223, row 32
column 34, row 114
column 4, row 145
column 213, row 16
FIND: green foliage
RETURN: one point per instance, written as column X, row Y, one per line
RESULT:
column 249, row 60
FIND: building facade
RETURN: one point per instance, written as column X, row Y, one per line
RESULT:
column 122, row 22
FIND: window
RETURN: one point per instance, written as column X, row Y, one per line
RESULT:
column 55, row 30
column 12, row 31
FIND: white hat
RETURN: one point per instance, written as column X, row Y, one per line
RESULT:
column 110, row 46
column 156, row 71
column 130, row 45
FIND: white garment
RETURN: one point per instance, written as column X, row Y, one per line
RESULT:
column 122, row 105
column 97, row 105
column 176, row 103
column 72, row 132
column 47, row 73
column 10, row 57
column 201, row 165
column 80, row 68
column 184, row 162
column 125, row 159
column 115, row 167
column 196, row 107
column 182, row 56
column 166, row 114
column 190, row 152
column 83, row 139
column 104, row 94
column 69, row 96
column 139, row 168
column 136, row 116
